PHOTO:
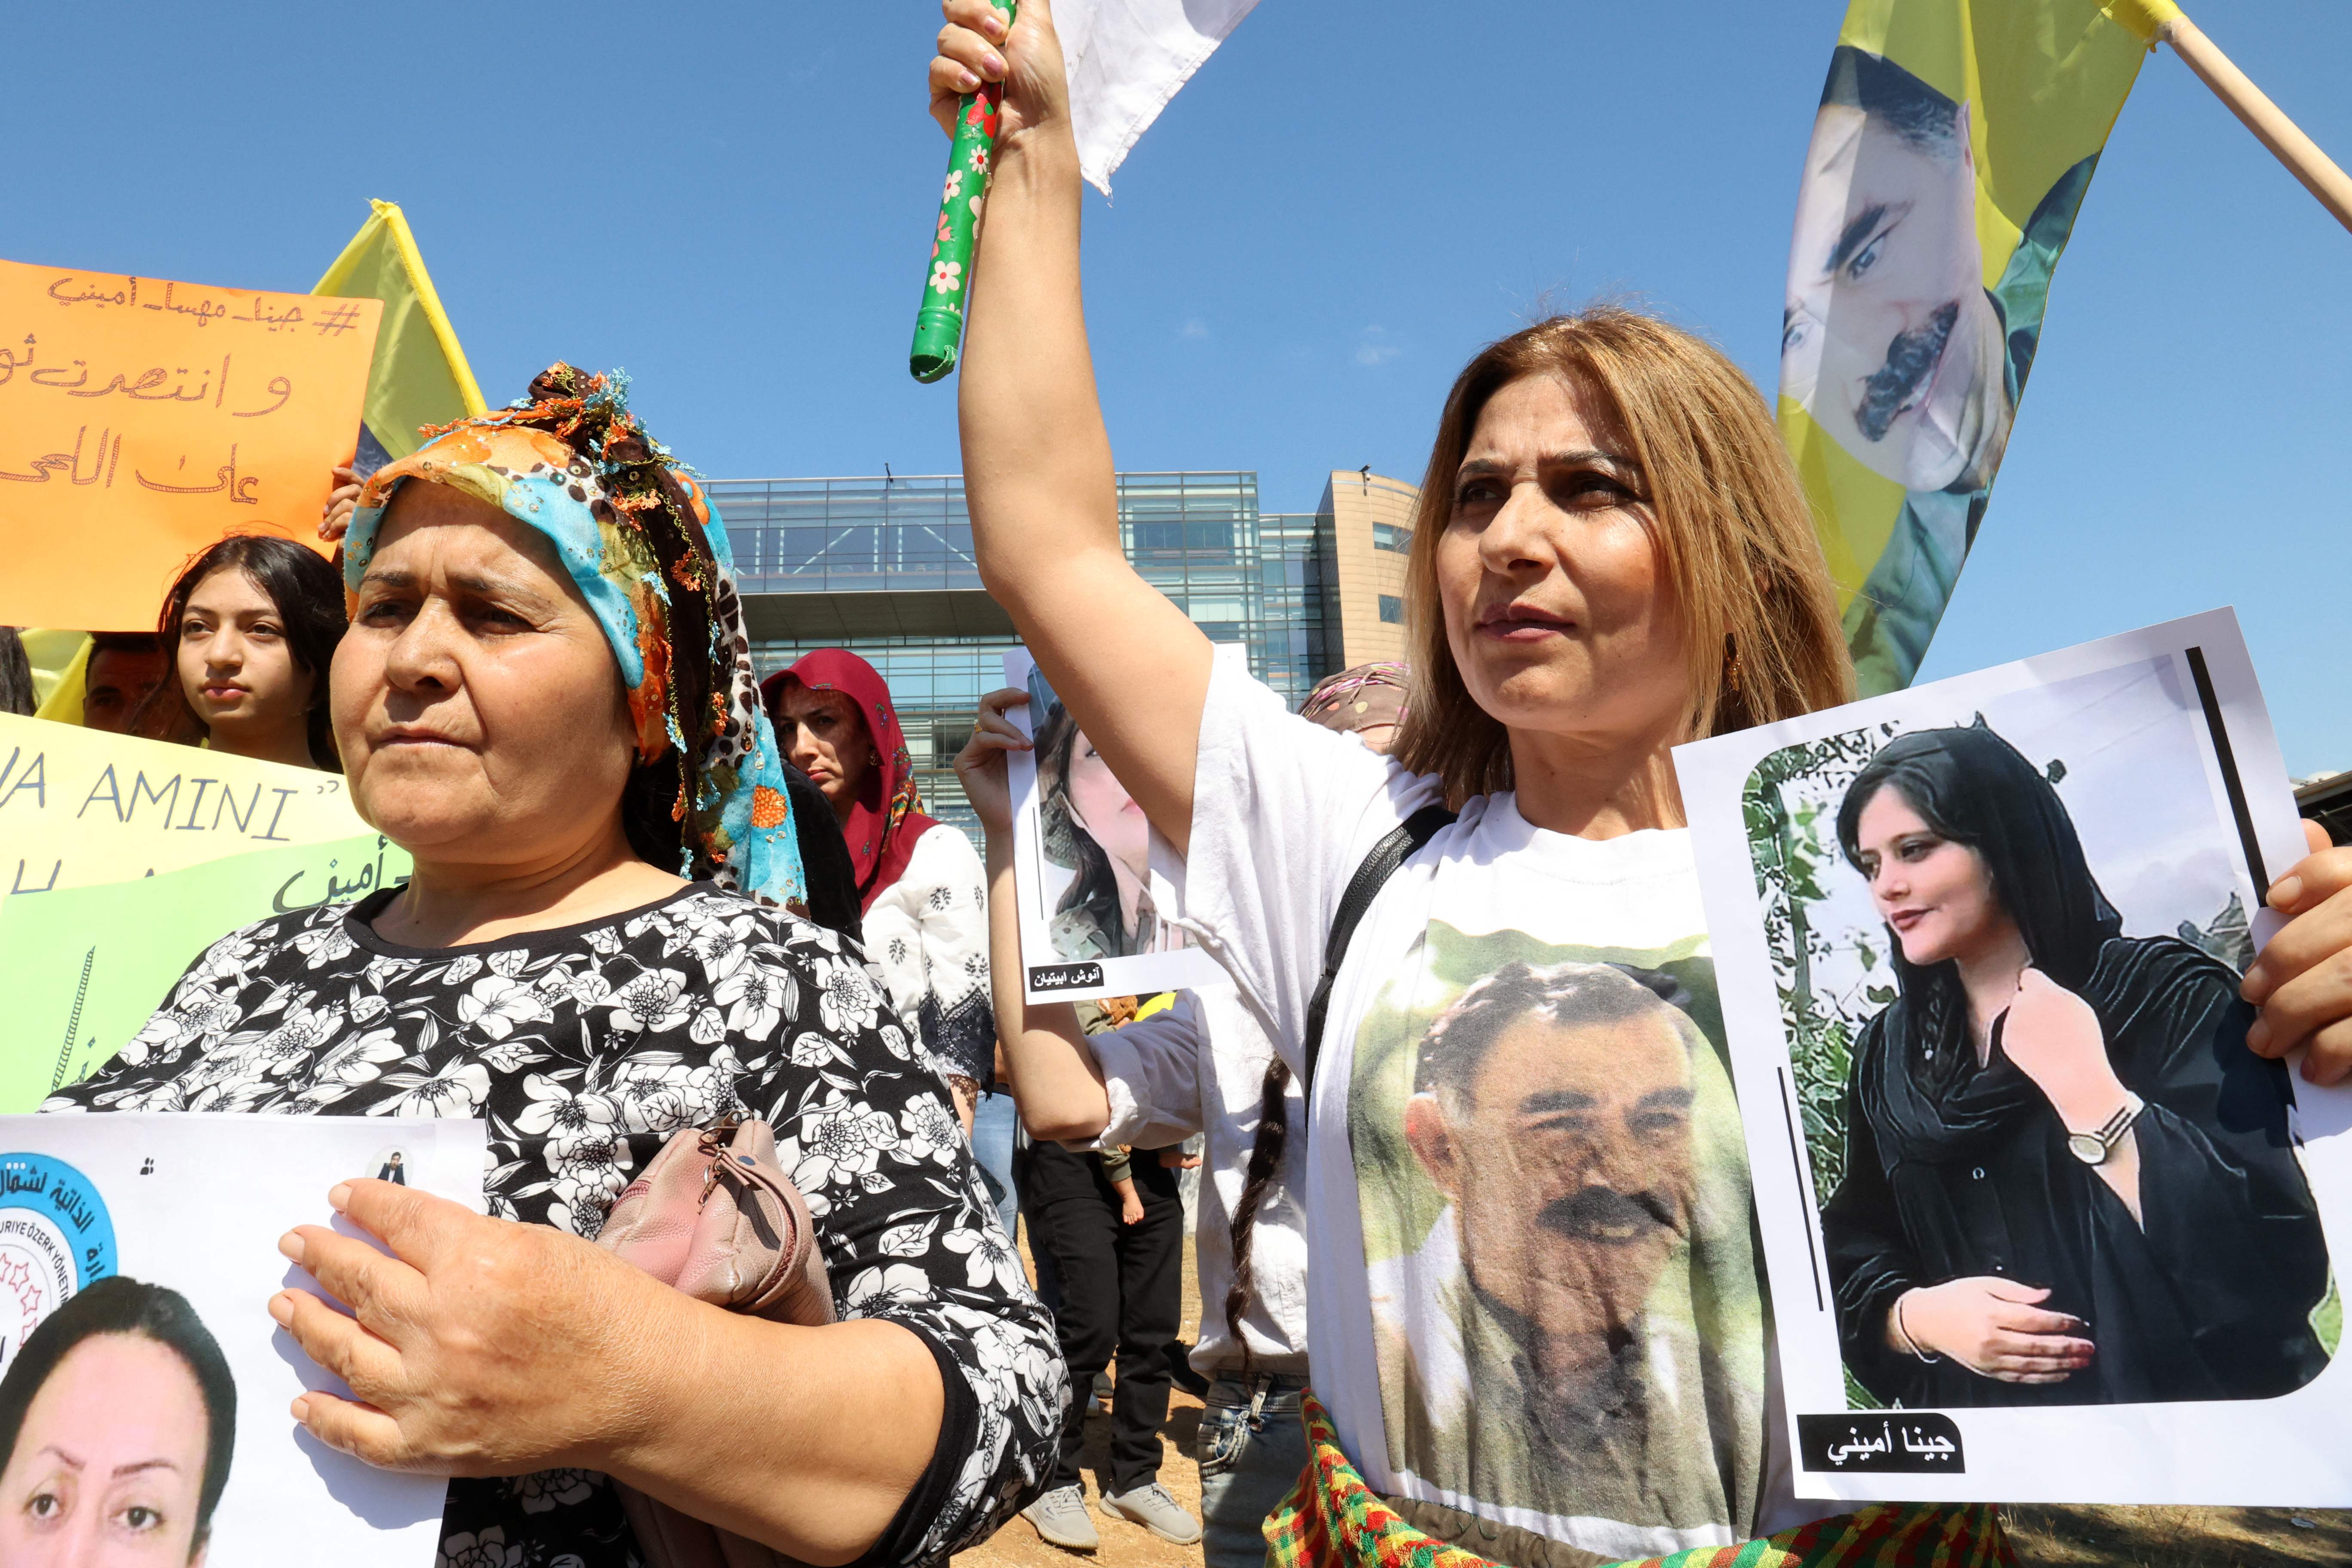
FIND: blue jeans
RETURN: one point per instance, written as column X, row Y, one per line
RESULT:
column 994, row 1121
column 1252, row 1448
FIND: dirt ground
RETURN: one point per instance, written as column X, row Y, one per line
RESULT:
column 2178, row 1537
column 2042, row 1537
column 1124, row 1545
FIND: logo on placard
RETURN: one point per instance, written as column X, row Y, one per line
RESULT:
column 55, row 1238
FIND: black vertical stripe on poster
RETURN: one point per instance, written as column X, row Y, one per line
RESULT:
column 1797, row 1159
column 2228, row 761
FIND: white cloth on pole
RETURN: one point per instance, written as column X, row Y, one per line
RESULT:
column 1127, row 59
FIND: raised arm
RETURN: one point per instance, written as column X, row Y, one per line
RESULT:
column 1129, row 666
column 1057, row 1084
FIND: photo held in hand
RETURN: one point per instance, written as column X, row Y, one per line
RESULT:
column 2020, row 1157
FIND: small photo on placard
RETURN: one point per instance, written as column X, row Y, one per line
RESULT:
column 144, row 1385
column 1092, row 909
column 2041, row 1226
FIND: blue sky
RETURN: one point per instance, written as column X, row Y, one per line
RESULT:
column 733, row 202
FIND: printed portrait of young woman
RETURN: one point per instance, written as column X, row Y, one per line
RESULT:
column 2067, row 1180
column 1093, row 830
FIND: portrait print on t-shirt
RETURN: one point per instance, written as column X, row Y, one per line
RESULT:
column 1555, row 1197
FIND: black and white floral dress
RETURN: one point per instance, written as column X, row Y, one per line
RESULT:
column 584, row 1048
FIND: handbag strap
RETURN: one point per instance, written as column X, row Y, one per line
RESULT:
column 1401, row 845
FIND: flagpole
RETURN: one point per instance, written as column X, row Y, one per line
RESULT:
column 2286, row 142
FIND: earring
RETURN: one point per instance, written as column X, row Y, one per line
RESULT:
column 1732, row 671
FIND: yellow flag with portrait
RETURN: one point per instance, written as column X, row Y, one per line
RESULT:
column 1953, row 144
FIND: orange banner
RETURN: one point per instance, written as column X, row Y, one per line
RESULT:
column 140, row 420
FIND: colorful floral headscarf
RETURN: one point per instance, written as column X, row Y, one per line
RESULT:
column 650, row 556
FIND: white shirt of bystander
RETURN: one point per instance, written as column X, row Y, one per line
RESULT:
column 928, row 934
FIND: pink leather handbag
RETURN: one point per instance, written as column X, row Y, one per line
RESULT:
column 716, row 1216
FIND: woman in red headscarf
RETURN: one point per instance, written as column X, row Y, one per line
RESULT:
column 919, row 881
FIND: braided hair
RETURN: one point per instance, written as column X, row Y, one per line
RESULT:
column 1265, row 1158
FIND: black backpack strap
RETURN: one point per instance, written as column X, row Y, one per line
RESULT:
column 1389, row 853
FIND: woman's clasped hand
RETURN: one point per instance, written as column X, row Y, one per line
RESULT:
column 1994, row 1327
column 479, row 1346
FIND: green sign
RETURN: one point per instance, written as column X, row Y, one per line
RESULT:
column 87, row 966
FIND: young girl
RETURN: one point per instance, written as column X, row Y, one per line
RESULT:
column 250, row 627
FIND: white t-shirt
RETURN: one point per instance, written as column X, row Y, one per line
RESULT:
column 1534, row 1293
column 1199, row 1065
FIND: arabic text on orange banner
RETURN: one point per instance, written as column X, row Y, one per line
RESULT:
column 142, row 419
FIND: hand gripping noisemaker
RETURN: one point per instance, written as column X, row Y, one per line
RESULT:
column 939, row 324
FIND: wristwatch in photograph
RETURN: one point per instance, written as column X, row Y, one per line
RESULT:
column 2093, row 1148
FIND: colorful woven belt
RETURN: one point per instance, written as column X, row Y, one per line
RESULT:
column 1332, row 1520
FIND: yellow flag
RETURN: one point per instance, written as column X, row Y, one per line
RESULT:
column 1953, row 144
column 420, row 375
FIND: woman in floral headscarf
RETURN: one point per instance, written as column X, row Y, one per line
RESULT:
column 546, row 697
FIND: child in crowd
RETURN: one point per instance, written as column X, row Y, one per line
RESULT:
column 1119, row 1169
column 247, row 634
column 1115, row 1235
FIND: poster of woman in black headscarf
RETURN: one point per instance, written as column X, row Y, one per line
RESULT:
column 1980, row 945
column 2067, row 1180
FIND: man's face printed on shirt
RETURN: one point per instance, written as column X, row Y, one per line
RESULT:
column 1570, row 1169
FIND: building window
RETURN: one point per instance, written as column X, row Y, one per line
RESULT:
column 1393, row 609
column 1389, row 536
column 947, row 740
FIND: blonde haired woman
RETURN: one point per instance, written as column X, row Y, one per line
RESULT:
column 1612, row 556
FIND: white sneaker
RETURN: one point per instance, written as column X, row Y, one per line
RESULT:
column 1153, row 1508
column 1061, row 1518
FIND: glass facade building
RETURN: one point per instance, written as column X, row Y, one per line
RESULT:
column 883, row 565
